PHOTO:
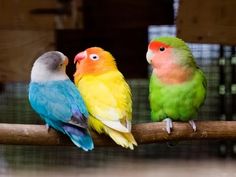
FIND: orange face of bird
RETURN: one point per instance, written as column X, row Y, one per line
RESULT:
column 159, row 54
column 165, row 63
column 94, row 60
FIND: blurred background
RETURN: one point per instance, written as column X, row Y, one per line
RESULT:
column 29, row 28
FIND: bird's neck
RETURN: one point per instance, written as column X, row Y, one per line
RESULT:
column 93, row 70
column 171, row 73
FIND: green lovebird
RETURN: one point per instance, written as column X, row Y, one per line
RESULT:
column 177, row 85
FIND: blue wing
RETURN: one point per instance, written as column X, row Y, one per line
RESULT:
column 57, row 100
column 60, row 104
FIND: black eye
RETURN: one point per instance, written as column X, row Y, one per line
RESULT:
column 162, row 49
column 94, row 57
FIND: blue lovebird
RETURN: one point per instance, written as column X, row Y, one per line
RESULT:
column 56, row 99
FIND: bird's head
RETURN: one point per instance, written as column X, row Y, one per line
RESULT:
column 94, row 60
column 171, row 59
column 168, row 49
column 50, row 66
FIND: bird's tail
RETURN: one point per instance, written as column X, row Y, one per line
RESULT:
column 79, row 136
column 123, row 139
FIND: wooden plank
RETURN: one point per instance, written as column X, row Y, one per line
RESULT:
column 19, row 49
column 207, row 21
column 18, row 14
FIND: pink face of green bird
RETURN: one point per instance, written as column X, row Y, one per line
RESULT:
column 165, row 61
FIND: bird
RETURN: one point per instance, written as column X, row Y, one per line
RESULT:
column 177, row 87
column 106, row 94
column 56, row 99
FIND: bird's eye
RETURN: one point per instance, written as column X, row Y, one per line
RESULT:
column 162, row 49
column 94, row 56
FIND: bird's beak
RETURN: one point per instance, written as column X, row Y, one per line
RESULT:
column 149, row 56
column 80, row 56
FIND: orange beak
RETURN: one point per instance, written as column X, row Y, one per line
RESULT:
column 80, row 56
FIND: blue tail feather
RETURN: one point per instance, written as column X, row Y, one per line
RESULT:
column 79, row 136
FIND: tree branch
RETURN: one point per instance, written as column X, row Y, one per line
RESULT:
column 144, row 133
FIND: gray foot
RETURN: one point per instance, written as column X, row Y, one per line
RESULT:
column 169, row 125
column 47, row 127
column 193, row 125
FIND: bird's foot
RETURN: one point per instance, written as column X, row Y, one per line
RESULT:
column 169, row 125
column 47, row 127
column 193, row 125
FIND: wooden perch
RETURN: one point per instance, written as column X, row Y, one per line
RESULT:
column 144, row 133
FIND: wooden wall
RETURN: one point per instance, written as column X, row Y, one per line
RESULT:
column 27, row 30
column 207, row 21
column 19, row 49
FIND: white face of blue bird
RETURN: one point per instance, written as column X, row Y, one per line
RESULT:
column 50, row 66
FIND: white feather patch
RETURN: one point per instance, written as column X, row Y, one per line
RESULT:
column 129, row 126
column 116, row 125
column 110, row 114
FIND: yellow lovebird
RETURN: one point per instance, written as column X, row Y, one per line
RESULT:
column 106, row 95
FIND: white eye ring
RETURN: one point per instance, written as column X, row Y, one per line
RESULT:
column 94, row 57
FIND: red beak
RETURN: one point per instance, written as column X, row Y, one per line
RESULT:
column 80, row 56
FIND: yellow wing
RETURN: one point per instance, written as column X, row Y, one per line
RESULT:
column 108, row 99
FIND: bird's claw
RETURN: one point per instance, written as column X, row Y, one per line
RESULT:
column 193, row 125
column 47, row 127
column 169, row 125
